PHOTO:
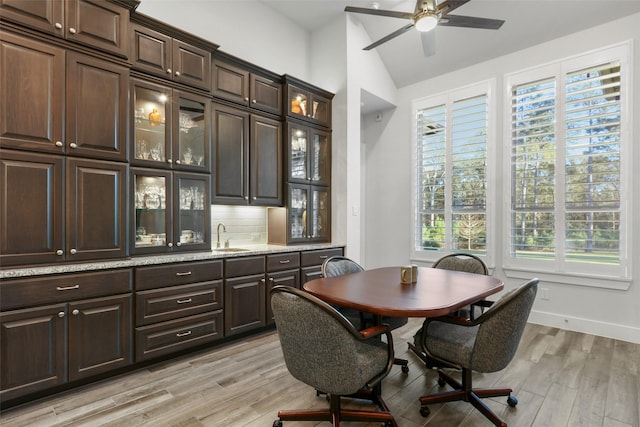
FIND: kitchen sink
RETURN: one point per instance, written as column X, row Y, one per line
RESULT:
column 231, row 250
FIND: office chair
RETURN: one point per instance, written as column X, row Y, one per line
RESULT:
column 467, row 263
column 324, row 350
column 485, row 344
column 339, row 265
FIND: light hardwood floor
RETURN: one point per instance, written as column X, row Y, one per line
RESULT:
column 561, row 378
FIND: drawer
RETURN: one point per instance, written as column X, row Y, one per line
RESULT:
column 279, row 262
column 309, row 258
column 244, row 266
column 177, row 301
column 177, row 274
column 169, row 337
column 41, row 290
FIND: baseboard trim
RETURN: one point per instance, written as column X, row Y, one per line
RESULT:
column 587, row 326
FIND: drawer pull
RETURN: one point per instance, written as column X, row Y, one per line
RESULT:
column 323, row 256
column 67, row 288
column 285, row 261
column 184, row 301
column 183, row 334
column 185, row 273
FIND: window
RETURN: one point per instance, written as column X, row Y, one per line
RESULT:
column 568, row 210
column 450, row 176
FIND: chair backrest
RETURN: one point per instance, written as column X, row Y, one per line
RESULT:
column 462, row 262
column 320, row 347
column 339, row 265
column 501, row 327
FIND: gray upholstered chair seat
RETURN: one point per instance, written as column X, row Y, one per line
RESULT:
column 452, row 344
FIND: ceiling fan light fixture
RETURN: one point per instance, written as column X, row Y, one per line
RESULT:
column 426, row 23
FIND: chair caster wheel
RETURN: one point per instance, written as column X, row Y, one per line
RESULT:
column 441, row 382
column 405, row 369
column 425, row 411
column 277, row 423
column 512, row 401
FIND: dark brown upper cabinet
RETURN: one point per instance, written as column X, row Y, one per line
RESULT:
column 96, row 23
column 170, row 127
column 308, row 154
column 246, row 158
column 246, row 84
column 90, row 225
column 307, row 102
column 166, row 52
column 49, row 83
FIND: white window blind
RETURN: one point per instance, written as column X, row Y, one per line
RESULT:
column 451, row 174
column 567, row 168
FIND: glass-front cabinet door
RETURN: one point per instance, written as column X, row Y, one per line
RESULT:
column 152, row 210
column 151, row 140
column 308, row 105
column 192, row 226
column 191, row 135
column 309, row 214
column 309, row 152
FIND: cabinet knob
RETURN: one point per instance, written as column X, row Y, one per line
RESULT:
column 168, row 70
column 73, row 145
column 61, row 314
column 75, row 312
column 254, row 101
column 170, row 244
column 255, row 198
column 246, row 197
column 177, row 73
column 271, row 280
column 177, row 162
column 246, row 99
column 58, row 26
column 59, row 144
column 59, row 252
column 178, row 244
column 73, row 251
column 263, row 281
column 72, row 30
column 169, row 161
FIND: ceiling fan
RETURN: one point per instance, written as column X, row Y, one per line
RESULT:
column 427, row 15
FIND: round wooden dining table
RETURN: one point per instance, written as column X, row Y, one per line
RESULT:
column 436, row 292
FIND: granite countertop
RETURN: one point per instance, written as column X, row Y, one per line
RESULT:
column 138, row 261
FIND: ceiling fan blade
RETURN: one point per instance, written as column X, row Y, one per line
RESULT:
column 428, row 43
column 470, row 22
column 390, row 36
column 378, row 12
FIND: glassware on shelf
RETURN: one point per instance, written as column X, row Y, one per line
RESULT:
column 142, row 149
column 187, row 156
column 156, row 153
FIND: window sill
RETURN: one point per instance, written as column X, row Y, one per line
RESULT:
column 591, row 280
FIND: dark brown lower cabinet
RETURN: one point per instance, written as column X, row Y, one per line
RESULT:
column 244, row 294
column 44, row 347
column 311, row 263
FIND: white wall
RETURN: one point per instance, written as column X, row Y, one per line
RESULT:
column 607, row 312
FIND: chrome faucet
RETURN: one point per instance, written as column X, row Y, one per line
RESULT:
column 224, row 229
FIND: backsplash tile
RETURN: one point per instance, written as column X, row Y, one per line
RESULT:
column 246, row 225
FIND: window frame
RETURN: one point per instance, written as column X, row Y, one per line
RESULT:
column 562, row 270
column 488, row 89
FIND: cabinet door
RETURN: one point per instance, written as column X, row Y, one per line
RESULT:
column 151, row 203
column 31, row 209
column 32, row 87
column 96, row 209
column 297, row 212
column 191, row 225
column 319, row 214
column 191, row 65
column 319, row 157
column 151, row 51
column 230, row 155
column 266, row 162
column 152, row 124
column 191, row 132
column 266, row 94
column 44, row 15
column 99, row 24
column 297, row 153
column 244, row 304
column 230, row 82
column 100, row 336
column 33, row 350
column 285, row 278
column 97, row 105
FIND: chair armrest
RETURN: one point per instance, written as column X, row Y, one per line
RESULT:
column 374, row 331
column 484, row 303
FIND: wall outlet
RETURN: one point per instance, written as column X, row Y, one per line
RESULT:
column 544, row 293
